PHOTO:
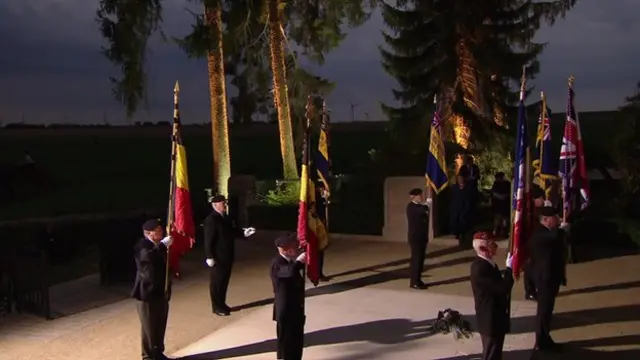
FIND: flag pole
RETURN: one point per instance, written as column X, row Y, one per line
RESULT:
column 327, row 199
column 523, row 81
column 174, row 148
column 430, row 193
column 570, row 81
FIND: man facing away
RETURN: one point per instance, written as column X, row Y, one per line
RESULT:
column 418, row 236
column 461, row 209
column 288, row 304
column 547, row 266
column 220, row 233
column 149, row 288
column 491, row 288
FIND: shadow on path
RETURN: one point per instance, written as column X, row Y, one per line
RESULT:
column 573, row 350
column 593, row 289
column 382, row 332
column 398, row 331
column 374, row 279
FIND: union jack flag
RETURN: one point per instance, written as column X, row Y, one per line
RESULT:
column 573, row 169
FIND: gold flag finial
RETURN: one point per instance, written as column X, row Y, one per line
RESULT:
column 523, row 81
column 176, row 88
column 542, row 95
column 435, row 98
column 571, row 80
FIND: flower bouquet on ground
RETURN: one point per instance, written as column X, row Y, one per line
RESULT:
column 451, row 322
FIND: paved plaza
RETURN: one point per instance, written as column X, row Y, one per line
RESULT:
column 365, row 312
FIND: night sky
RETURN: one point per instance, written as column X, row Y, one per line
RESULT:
column 51, row 69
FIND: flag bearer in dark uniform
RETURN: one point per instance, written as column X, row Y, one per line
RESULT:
column 418, row 236
column 547, row 268
column 220, row 233
column 149, row 288
column 288, row 304
column 491, row 288
column 538, row 196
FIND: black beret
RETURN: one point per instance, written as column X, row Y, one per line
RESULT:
column 286, row 240
column 537, row 192
column 547, row 211
column 151, row 224
column 415, row 192
column 217, row 199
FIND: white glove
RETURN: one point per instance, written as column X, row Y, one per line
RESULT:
column 428, row 202
column 167, row 241
column 302, row 258
column 509, row 261
column 547, row 203
column 565, row 226
column 210, row 262
column 249, row 231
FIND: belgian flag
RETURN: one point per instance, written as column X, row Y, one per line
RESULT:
column 180, row 214
column 312, row 233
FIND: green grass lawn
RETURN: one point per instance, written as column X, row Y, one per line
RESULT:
column 110, row 170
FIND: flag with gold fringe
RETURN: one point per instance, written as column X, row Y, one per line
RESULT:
column 180, row 215
column 311, row 232
column 545, row 168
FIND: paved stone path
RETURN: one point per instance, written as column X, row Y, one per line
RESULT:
column 599, row 310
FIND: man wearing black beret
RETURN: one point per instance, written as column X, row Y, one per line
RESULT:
column 547, row 267
column 288, row 303
column 149, row 288
column 418, row 235
column 220, row 233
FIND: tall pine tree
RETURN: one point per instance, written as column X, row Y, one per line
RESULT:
column 470, row 53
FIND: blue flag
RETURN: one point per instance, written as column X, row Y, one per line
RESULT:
column 436, row 173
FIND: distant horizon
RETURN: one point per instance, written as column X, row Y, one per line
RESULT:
column 139, row 123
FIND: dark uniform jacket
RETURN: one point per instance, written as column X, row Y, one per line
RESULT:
column 491, row 288
column 220, row 233
column 417, row 222
column 151, row 262
column 547, row 256
column 288, row 289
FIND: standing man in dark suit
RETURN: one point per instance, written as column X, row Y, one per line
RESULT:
column 471, row 172
column 220, row 233
column 547, row 268
column 461, row 210
column 418, row 236
column 491, row 288
column 539, row 202
column 288, row 304
column 149, row 288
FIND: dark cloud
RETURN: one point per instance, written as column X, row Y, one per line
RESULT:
column 51, row 68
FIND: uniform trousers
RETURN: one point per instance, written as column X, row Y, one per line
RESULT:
column 290, row 338
column 153, row 316
column 321, row 262
column 544, row 312
column 492, row 347
column 219, row 284
column 418, row 252
column 529, row 284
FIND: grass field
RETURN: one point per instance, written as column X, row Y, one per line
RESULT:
column 113, row 169
column 117, row 169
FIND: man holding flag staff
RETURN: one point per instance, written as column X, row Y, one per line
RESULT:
column 220, row 233
column 288, row 290
column 152, row 288
column 547, row 267
column 418, row 237
column 491, row 288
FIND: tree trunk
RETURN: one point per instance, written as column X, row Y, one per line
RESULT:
column 218, row 100
column 280, row 91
